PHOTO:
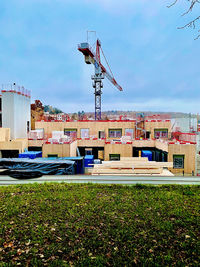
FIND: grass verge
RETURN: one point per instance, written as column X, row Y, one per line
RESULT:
column 99, row 225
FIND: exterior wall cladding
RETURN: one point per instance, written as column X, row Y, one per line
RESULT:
column 170, row 148
column 16, row 113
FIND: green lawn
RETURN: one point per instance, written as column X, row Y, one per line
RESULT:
column 98, row 225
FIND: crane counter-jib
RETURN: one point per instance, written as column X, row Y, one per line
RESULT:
column 87, row 52
column 92, row 57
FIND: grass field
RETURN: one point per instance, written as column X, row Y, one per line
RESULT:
column 98, row 225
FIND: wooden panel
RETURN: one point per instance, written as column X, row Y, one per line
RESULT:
column 18, row 144
column 53, row 149
column 4, row 134
column 91, row 143
column 150, row 126
column 37, row 143
column 136, row 165
column 123, row 149
column 124, row 171
column 65, row 150
column 73, row 148
column 101, row 154
column 135, row 159
column 189, row 152
column 93, row 126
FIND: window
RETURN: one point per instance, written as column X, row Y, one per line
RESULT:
column 84, row 133
column 114, row 156
column 52, row 155
column 102, row 134
column 147, row 134
column 28, row 126
column 178, row 161
column 129, row 132
column 115, row 133
column 70, row 133
column 160, row 133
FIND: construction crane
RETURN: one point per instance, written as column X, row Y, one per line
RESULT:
column 100, row 72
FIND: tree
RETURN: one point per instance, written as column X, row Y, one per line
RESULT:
column 52, row 110
column 37, row 112
column 74, row 116
column 193, row 23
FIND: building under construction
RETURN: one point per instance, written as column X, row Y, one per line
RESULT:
column 111, row 140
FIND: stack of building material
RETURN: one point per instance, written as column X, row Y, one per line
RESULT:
column 57, row 134
column 125, row 139
column 132, row 166
column 58, row 137
column 36, row 134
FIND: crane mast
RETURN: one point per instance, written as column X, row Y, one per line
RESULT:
column 100, row 73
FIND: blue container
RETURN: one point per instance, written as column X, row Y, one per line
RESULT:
column 31, row 154
column 79, row 164
column 89, row 159
column 147, row 154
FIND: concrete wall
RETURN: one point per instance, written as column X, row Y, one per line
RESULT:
column 189, row 152
column 15, row 113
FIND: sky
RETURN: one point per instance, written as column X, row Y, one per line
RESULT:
column 156, row 64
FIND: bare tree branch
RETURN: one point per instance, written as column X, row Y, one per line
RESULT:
column 192, row 23
column 173, row 4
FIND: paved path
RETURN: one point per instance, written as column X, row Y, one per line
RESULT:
column 127, row 180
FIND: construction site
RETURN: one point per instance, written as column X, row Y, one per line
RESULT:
column 142, row 145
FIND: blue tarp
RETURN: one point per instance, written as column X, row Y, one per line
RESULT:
column 29, row 168
column 147, row 154
column 79, row 166
column 31, row 154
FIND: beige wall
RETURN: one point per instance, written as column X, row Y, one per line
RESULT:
column 62, row 150
column 52, row 149
column 4, row 134
column 151, row 126
column 189, row 151
column 73, row 147
column 144, row 143
column 37, row 143
column 151, row 143
column 18, row 144
column 161, row 145
column 93, row 126
column 96, row 126
column 91, row 143
column 123, row 149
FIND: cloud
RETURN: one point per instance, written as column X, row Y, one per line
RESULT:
column 156, row 64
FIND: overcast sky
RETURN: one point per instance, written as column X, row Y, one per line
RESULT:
column 156, row 64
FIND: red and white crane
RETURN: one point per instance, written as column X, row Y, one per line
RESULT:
column 100, row 72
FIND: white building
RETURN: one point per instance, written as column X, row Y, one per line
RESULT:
column 16, row 110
